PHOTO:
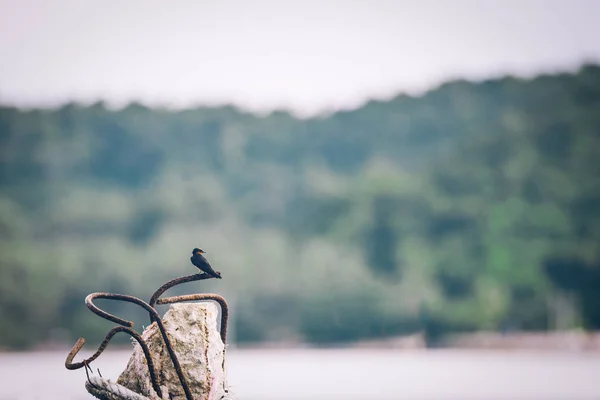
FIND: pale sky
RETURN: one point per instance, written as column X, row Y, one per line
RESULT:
column 307, row 55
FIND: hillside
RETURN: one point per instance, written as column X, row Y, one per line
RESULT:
column 474, row 206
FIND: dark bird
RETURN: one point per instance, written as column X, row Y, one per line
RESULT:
column 202, row 263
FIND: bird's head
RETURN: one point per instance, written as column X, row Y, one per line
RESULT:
column 197, row 251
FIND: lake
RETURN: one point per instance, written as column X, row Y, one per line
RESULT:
column 347, row 374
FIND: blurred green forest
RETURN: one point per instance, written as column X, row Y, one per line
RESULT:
column 475, row 206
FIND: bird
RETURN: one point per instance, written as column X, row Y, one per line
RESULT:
column 202, row 263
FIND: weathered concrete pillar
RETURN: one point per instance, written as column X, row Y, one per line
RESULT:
column 192, row 330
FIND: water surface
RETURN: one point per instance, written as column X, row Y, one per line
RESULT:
column 341, row 374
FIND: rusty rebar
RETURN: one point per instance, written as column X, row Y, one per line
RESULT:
column 175, row 282
column 154, row 317
column 131, row 299
column 204, row 297
column 76, row 347
column 81, row 341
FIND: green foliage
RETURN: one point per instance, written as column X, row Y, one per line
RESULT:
column 353, row 315
column 448, row 212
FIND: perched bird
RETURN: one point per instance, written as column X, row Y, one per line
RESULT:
column 202, row 263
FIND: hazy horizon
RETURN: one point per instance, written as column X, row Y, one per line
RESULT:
column 308, row 58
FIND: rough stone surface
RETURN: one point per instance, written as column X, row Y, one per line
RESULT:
column 192, row 329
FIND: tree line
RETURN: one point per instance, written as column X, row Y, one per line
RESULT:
column 473, row 206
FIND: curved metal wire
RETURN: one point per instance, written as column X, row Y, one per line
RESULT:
column 69, row 364
column 175, row 282
column 154, row 317
column 131, row 299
